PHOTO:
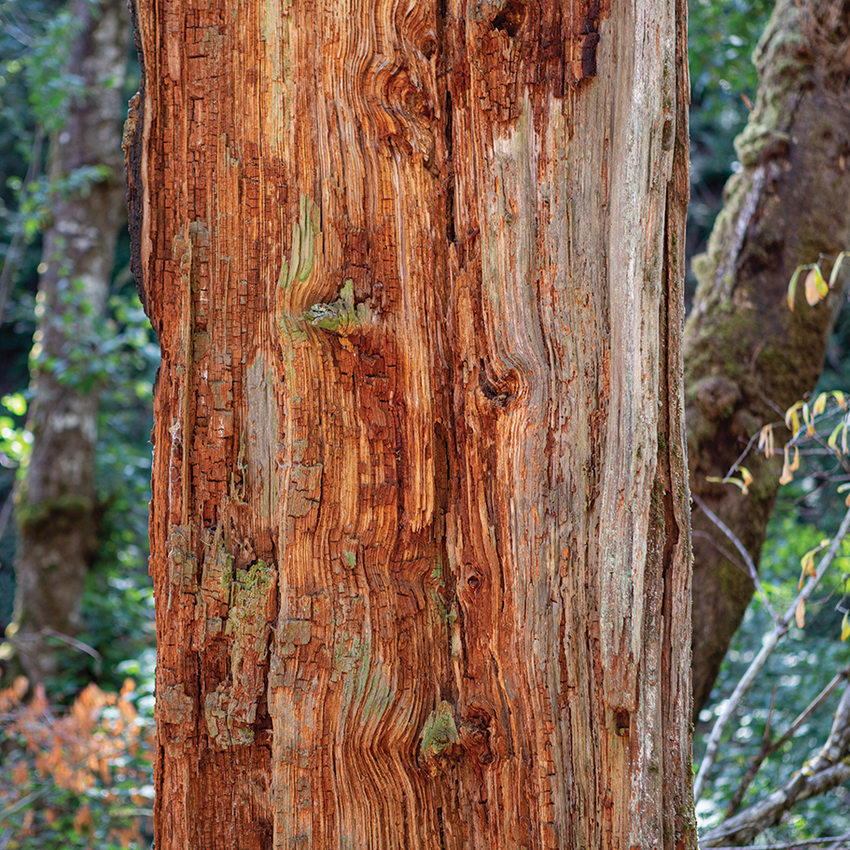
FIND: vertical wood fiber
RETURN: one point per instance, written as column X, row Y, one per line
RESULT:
column 419, row 528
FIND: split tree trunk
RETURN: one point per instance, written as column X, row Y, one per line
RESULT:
column 747, row 356
column 56, row 503
column 419, row 526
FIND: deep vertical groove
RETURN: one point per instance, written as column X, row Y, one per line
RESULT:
column 449, row 177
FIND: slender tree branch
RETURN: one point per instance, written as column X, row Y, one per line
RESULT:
column 727, row 553
column 74, row 643
column 741, row 457
column 837, row 745
column 770, row 643
column 829, row 768
column 12, row 259
column 754, row 820
column 742, row 551
column 769, row 748
column 794, row 845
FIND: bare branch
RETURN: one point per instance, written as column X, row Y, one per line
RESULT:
column 743, row 828
column 770, row 643
column 769, row 748
column 794, row 845
column 742, row 551
column 837, row 745
column 829, row 768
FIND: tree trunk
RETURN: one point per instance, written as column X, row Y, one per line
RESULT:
column 56, row 504
column 747, row 357
column 419, row 526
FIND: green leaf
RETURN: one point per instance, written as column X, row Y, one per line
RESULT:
column 792, row 418
column 836, row 267
column 815, row 286
column 792, row 286
column 832, row 442
column 15, row 403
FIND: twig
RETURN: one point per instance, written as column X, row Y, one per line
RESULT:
column 741, row 457
column 764, row 653
column 75, row 644
column 12, row 258
column 794, row 845
column 742, row 551
column 769, row 748
column 755, row 763
column 726, row 553
column 752, row 821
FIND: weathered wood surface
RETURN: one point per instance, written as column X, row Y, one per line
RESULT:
column 419, row 541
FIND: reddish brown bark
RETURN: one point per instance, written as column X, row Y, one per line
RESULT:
column 419, row 528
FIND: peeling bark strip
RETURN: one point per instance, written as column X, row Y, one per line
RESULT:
column 416, row 277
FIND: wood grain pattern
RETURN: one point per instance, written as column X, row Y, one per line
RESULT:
column 419, row 467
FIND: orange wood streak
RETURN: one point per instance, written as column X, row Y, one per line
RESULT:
column 352, row 529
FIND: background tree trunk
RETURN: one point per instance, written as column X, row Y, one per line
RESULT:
column 747, row 357
column 55, row 501
column 419, row 526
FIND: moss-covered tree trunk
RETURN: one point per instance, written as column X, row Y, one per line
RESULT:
column 747, row 356
column 55, row 503
column 419, row 527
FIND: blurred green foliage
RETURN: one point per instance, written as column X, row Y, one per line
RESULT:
column 722, row 35
column 52, row 798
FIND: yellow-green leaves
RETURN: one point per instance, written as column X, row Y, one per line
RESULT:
column 839, row 430
column 792, row 416
column 742, row 483
column 766, row 442
column 815, row 286
column 845, row 628
column 807, row 562
column 801, row 420
column 790, row 465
